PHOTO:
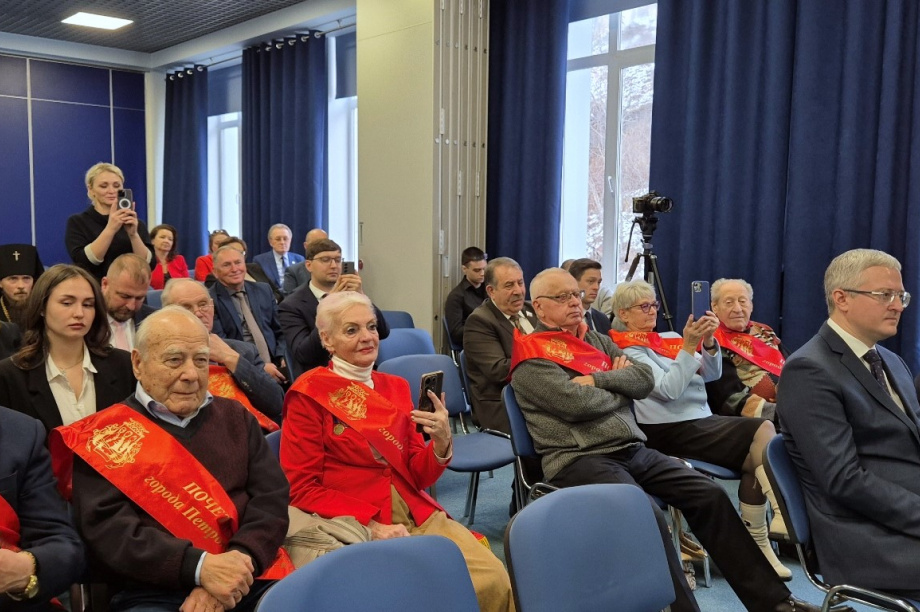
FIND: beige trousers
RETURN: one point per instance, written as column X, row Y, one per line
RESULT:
column 490, row 579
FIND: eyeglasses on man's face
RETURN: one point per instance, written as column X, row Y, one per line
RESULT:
column 562, row 298
column 326, row 260
column 646, row 307
column 885, row 296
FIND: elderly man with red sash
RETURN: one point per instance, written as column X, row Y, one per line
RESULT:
column 752, row 355
column 179, row 499
column 236, row 371
column 575, row 388
column 351, row 445
column 40, row 553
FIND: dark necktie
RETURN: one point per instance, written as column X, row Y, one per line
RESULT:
column 878, row 370
column 516, row 321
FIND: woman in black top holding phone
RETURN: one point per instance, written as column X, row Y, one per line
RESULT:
column 102, row 232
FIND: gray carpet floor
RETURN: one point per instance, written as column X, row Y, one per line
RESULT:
column 491, row 518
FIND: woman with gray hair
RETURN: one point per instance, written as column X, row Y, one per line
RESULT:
column 349, row 446
column 676, row 417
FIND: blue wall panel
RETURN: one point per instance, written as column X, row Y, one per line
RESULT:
column 128, row 89
column 131, row 155
column 12, row 76
column 67, row 140
column 69, row 83
column 15, row 203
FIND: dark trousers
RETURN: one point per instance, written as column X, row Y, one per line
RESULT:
column 708, row 511
column 157, row 600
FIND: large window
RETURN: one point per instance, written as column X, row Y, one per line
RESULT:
column 611, row 62
column 224, row 173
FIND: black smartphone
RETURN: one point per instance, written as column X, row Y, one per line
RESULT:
column 432, row 381
column 700, row 299
column 348, row 267
column 125, row 199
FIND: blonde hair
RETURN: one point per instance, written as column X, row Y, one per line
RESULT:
column 98, row 169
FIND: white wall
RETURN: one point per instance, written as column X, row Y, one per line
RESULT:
column 395, row 155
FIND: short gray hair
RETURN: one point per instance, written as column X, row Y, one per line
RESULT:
column 536, row 285
column 332, row 306
column 279, row 226
column 153, row 321
column 845, row 270
column 173, row 283
column 496, row 263
column 625, row 295
column 716, row 291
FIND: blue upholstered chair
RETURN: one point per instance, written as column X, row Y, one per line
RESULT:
column 415, row 574
column 593, row 547
column 473, row 452
column 154, row 299
column 398, row 319
column 274, row 442
column 405, row 341
column 788, row 490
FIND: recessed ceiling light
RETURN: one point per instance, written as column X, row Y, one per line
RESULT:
column 97, row 21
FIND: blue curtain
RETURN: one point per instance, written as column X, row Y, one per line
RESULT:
column 185, row 160
column 786, row 133
column 285, row 138
column 527, row 71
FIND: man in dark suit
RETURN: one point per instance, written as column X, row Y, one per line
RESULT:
column 487, row 339
column 40, row 552
column 849, row 412
column 276, row 261
column 468, row 295
column 124, row 288
column 297, row 275
column 298, row 311
column 241, row 359
column 246, row 310
column 587, row 273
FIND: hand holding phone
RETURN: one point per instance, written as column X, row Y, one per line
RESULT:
column 125, row 199
column 699, row 299
column 348, row 267
column 432, row 381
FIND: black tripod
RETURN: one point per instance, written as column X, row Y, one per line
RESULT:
column 647, row 223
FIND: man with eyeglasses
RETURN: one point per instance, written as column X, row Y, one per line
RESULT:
column 237, row 371
column 752, row 355
column 850, row 415
column 297, row 312
column 297, row 275
column 575, row 388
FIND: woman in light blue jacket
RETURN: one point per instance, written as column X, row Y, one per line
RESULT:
column 676, row 417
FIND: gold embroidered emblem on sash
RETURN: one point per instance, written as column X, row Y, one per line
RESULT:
column 557, row 348
column 743, row 343
column 352, row 400
column 117, row 443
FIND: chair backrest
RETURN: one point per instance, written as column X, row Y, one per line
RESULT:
column 411, row 368
column 597, row 545
column 463, row 371
column 274, row 442
column 414, row 574
column 398, row 319
column 405, row 341
column 785, row 480
column 521, row 441
column 154, row 299
column 456, row 348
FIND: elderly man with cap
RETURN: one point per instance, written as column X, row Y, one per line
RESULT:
column 20, row 266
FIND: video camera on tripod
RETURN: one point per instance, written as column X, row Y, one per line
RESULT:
column 646, row 208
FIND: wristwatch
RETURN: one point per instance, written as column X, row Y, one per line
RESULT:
column 31, row 589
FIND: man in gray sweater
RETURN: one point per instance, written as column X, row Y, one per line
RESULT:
column 575, row 388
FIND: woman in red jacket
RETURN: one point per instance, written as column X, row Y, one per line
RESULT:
column 169, row 263
column 349, row 446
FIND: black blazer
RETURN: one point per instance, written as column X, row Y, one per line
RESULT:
column 9, row 339
column 297, row 314
column 229, row 325
column 600, row 321
column 28, row 392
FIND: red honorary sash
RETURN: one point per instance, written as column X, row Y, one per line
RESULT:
column 9, row 526
column 383, row 426
column 752, row 348
column 560, row 347
column 164, row 478
column 666, row 347
column 221, row 384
